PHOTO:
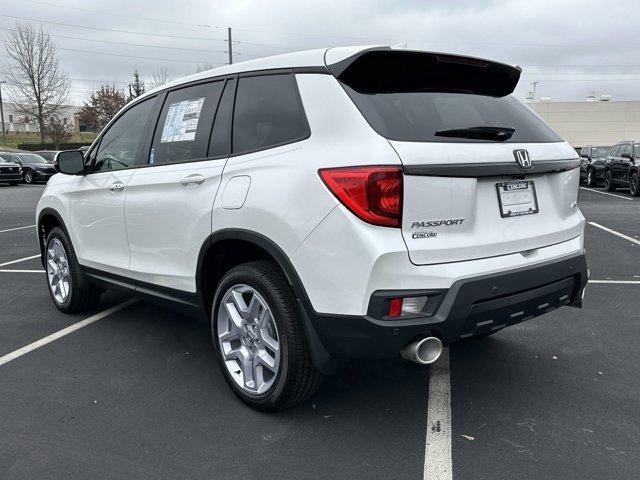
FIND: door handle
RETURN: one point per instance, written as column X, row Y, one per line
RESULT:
column 195, row 179
column 116, row 186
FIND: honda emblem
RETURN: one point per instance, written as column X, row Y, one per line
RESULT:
column 523, row 158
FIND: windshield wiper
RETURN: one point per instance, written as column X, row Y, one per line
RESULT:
column 498, row 134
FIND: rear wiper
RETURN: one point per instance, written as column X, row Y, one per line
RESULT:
column 498, row 134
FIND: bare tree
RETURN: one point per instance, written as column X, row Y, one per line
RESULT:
column 160, row 77
column 59, row 131
column 202, row 67
column 38, row 87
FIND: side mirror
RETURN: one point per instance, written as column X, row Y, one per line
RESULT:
column 70, row 162
column 626, row 155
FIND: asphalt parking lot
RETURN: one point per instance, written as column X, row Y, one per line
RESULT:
column 137, row 394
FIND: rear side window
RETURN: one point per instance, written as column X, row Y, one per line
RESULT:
column 416, row 116
column 268, row 112
column 183, row 129
column 221, row 135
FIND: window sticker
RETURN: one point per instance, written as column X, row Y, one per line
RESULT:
column 182, row 121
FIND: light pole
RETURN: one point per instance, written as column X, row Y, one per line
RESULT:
column 533, row 100
column 4, row 135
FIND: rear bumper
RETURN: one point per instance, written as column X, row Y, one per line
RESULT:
column 471, row 306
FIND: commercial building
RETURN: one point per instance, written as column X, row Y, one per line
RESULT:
column 591, row 122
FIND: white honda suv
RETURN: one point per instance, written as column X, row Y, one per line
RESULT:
column 322, row 206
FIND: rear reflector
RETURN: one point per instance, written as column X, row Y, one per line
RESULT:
column 395, row 307
column 373, row 194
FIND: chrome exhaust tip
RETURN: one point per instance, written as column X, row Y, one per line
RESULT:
column 424, row 351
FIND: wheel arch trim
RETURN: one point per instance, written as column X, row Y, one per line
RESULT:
column 321, row 358
column 44, row 212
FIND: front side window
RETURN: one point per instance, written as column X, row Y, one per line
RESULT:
column 183, row 129
column 268, row 113
column 626, row 148
column 121, row 143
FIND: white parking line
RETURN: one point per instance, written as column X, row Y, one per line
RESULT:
column 617, row 282
column 61, row 333
column 16, row 228
column 437, row 456
column 613, row 232
column 21, row 271
column 19, row 260
column 606, row 193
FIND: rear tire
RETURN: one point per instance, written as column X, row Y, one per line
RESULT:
column 263, row 304
column 634, row 185
column 608, row 182
column 68, row 287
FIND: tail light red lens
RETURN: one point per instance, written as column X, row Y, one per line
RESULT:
column 373, row 194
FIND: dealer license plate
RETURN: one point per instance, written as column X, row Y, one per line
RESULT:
column 517, row 198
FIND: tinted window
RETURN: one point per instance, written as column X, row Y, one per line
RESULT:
column 120, row 144
column 267, row 113
column 597, row 152
column 221, row 135
column 626, row 148
column 184, row 126
column 416, row 116
column 31, row 158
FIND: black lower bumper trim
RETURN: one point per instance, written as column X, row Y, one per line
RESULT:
column 470, row 307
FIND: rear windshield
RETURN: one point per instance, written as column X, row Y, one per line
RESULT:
column 416, row 116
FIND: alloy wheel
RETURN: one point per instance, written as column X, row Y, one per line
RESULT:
column 590, row 178
column 248, row 339
column 28, row 177
column 607, row 180
column 58, row 271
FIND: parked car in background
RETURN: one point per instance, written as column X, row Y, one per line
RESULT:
column 10, row 172
column 593, row 163
column 622, row 168
column 48, row 155
column 34, row 167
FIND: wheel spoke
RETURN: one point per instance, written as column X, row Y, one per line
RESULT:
column 234, row 316
column 263, row 358
column 239, row 302
column 253, row 308
column 269, row 341
column 248, row 372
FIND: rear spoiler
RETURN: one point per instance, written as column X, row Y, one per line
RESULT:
column 383, row 70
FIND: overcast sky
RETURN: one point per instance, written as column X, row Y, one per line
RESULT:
column 572, row 48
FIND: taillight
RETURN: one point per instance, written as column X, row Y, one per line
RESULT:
column 373, row 194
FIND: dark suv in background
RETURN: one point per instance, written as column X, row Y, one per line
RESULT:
column 34, row 167
column 593, row 164
column 10, row 172
column 622, row 168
